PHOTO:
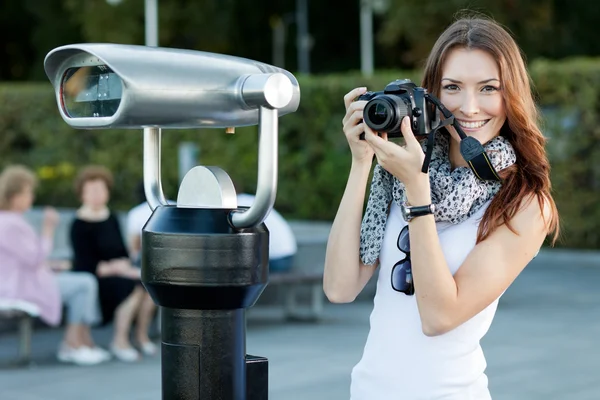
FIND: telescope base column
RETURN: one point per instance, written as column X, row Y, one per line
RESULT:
column 203, row 354
column 257, row 378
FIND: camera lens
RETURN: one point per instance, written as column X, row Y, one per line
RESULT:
column 378, row 114
column 384, row 113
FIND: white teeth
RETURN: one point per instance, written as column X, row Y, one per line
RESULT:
column 472, row 125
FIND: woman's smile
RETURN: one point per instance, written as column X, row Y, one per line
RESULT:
column 472, row 126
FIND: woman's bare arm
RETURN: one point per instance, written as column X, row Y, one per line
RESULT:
column 345, row 275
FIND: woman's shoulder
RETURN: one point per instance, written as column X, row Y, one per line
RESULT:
column 9, row 221
column 536, row 213
column 10, row 217
column 535, row 207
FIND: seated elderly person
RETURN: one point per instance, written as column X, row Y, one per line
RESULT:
column 99, row 248
column 26, row 275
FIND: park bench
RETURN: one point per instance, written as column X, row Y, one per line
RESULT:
column 24, row 313
column 290, row 284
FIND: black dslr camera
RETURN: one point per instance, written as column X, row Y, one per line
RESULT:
column 385, row 110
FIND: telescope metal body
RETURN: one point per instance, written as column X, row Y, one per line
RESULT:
column 170, row 88
column 204, row 260
column 101, row 86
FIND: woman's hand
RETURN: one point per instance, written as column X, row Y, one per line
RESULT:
column 354, row 126
column 50, row 221
column 118, row 267
column 404, row 163
column 104, row 269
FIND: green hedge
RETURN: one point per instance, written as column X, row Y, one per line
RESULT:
column 314, row 158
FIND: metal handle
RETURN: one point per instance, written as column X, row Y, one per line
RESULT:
column 152, row 182
column 266, row 187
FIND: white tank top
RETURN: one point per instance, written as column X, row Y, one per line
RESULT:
column 399, row 361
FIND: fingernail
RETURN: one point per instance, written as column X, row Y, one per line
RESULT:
column 363, row 89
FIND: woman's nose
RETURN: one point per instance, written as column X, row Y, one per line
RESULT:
column 469, row 105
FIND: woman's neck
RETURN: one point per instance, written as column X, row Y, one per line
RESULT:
column 90, row 213
column 16, row 210
column 456, row 159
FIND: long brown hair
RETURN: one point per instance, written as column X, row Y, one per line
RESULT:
column 530, row 175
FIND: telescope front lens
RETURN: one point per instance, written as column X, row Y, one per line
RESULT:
column 91, row 92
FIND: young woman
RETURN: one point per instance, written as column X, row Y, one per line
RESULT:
column 442, row 273
column 26, row 275
column 99, row 248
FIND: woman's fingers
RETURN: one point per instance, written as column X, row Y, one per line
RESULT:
column 407, row 132
column 374, row 139
column 355, row 131
column 353, row 94
column 353, row 120
column 357, row 106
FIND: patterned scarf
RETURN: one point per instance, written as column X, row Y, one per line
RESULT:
column 457, row 194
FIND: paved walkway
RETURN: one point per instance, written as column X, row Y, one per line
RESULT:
column 544, row 344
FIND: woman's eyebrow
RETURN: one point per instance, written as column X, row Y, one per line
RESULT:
column 480, row 82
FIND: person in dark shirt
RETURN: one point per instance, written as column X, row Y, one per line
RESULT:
column 99, row 248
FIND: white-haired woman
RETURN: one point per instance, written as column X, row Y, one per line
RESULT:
column 27, row 276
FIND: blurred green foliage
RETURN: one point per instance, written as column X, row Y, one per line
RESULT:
column 404, row 30
column 314, row 158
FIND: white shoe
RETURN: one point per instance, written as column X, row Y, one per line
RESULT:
column 126, row 355
column 103, row 353
column 148, row 349
column 80, row 356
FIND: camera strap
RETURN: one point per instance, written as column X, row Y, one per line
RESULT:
column 470, row 148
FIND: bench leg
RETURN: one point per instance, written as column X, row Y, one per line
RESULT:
column 25, row 333
column 317, row 300
column 289, row 305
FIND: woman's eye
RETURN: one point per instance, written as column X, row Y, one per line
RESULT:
column 451, row 87
column 489, row 89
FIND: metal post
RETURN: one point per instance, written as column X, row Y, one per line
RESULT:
column 187, row 157
column 151, row 22
column 303, row 37
column 278, row 53
column 366, row 38
column 152, row 180
column 152, row 135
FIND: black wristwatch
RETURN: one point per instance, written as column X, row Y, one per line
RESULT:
column 410, row 212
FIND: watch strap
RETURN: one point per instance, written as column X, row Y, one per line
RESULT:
column 411, row 212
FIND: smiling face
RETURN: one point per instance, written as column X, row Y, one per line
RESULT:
column 471, row 90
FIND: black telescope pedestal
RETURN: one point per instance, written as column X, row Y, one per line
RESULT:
column 204, row 274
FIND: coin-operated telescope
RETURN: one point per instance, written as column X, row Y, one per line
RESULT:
column 204, row 260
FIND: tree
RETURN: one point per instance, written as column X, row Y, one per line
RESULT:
column 405, row 32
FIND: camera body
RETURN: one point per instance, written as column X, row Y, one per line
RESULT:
column 385, row 110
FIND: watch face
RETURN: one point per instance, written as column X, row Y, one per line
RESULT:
column 405, row 213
